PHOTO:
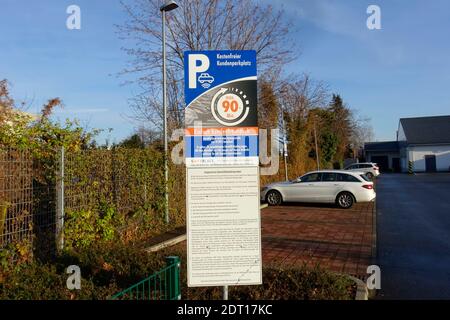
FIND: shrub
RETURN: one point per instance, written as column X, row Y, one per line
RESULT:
column 105, row 270
column 38, row 281
column 84, row 227
column 300, row 283
column 108, row 269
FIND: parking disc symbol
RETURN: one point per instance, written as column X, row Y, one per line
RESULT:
column 205, row 80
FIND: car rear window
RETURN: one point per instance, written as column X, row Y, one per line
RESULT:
column 365, row 178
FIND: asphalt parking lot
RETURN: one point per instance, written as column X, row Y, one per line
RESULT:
column 413, row 214
column 337, row 239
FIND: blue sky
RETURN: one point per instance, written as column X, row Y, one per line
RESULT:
column 402, row 70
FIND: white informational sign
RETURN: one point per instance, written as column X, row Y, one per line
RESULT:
column 222, row 169
column 224, row 227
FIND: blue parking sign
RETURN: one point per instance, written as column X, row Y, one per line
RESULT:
column 221, row 108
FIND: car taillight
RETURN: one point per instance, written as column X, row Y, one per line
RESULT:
column 376, row 168
column 368, row 186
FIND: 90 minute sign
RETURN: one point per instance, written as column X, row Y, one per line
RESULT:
column 230, row 106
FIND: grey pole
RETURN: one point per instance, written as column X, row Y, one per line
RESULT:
column 60, row 204
column 225, row 292
column 168, row 6
column 284, row 144
column 166, row 168
column 315, row 141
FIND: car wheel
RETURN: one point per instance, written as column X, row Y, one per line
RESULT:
column 369, row 175
column 274, row 198
column 345, row 200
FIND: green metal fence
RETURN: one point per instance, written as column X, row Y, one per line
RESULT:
column 162, row 285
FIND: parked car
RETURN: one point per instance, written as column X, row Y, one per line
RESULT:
column 327, row 186
column 371, row 169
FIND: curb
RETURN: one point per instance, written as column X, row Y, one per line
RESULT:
column 374, row 231
column 165, row 244
column 362, row 293
column 178, row 239
column 372, row 293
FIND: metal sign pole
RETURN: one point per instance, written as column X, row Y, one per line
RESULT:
column 284, row 144
column 315, row 141
column 225, row 292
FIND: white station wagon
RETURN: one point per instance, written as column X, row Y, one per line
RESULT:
column 370, row 169
column 327, row 186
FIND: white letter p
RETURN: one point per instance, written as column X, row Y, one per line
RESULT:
column 194, row 69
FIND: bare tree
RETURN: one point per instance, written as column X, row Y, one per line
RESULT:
column 6, row 102
column 362, row 131
column 300, row 93
column 197, row 25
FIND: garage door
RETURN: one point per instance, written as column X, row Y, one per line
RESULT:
column 383, row 162
column 430, row 163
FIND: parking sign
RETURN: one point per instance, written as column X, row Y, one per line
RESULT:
column 221, row 114
column 222, row 161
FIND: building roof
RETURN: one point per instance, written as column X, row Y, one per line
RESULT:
column 383, row 146
column 427, row 130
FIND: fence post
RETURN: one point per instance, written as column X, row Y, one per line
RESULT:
column 145, row 192
column 174, row 277
column 60, row 203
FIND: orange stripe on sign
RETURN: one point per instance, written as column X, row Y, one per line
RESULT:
column 241, row 131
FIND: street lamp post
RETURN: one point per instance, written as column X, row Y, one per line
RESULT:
column 168, row 6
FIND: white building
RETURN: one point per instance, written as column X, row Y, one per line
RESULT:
column 424, row 141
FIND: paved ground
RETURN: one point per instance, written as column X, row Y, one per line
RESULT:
column 339, row 240
column 414, row 236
